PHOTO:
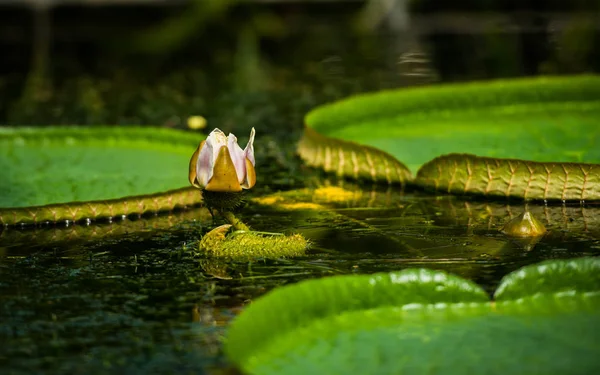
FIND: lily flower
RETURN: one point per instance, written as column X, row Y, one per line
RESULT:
column 219, row 164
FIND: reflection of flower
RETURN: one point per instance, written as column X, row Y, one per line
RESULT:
column 219, row 164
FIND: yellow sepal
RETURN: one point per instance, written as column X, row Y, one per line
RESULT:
column 193, row 161
column 250, row 174
column 224, row 178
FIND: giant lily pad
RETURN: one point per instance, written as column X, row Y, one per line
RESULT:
column 421, row 321
column 72, row 173
column 531, row 138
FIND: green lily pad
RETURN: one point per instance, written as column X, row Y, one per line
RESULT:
column 59, row 173
column 550, row 277
column 390, row 135
column 420, row 321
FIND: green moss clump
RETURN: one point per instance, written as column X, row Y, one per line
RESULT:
column 242, row 245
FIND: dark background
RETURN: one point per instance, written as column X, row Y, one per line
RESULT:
column 244, row 62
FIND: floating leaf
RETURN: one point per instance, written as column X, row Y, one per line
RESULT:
column 551, row 277
column 288, row 308
column 92, row 169
column 552, row 120
column 406, row 322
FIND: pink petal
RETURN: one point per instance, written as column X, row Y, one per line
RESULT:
column 237, row 156
column 204, row 166
column 208, row 155
column 249, row 150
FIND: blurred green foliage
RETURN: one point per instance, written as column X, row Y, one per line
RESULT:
column 431, row 6
column 540, row 48
column 175, row 31
column 265, row 66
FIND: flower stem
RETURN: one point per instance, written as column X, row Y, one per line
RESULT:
column 234, row 221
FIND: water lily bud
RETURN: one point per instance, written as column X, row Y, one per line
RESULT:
column 524, row 225
column 219, row 164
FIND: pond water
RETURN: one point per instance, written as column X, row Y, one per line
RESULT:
column 131, row 296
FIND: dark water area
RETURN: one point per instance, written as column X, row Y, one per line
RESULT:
column 130, row 296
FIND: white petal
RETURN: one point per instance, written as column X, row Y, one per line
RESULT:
column 205, row 164
column 208, row 155
column 217, row 139
column 249, row 150
column 237, row 156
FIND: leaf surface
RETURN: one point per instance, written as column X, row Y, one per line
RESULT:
column 406, row 322
column 52, row 165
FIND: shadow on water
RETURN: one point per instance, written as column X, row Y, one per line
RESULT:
column 129, row 296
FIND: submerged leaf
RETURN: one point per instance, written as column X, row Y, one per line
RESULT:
column 248, row 245
column 524, row 225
